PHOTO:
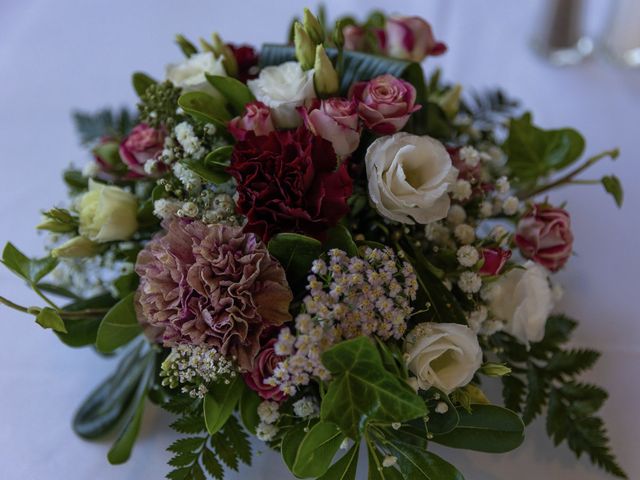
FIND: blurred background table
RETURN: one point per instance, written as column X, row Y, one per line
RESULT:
column 64, row 54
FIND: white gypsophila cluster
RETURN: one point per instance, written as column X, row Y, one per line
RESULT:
column 220, row 208
column 461, row 190
column 165, row 208
column 499, row 234
column 348, row 297
column 510, row 206
column 306, row 407
column 210, row 129
column 269, row 414
column 437, row 233
column 470, row 156
column 480, row 322
column 189, row 210
column 470, row 282
column 389, row 461
column 468, row 255
column 188, row 140
column 486, row 209
column 188, row 178
column 465, row 234
column 442, row 408
column 194, row 367
column 502, row 185
column 457, row 215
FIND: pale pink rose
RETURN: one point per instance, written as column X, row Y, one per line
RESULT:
column 263, row 368
column 544, row 235
column 385, row 103
column 355, row 38
column 256, row 119
column 335, row 120
column 411, row 38
column 144, row 143
column 494, row 260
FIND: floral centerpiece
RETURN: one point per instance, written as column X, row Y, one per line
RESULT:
column 316, row 245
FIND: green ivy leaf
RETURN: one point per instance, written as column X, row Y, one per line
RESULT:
column 234, row 91
column 362, row 390
column 220, row 402
column 534, row 153
column 205, row 108
column 295, row 253
column 49, row 318
column 119, row 326
column 612, row 185
column 487, row 428
column 317, row 449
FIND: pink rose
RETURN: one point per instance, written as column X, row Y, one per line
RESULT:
column 335, row 120
column 544, row 235
column 385, row 103
column 256, row 119
column 494, row 260
column 410, row 38
column 144, row 143
column 263, row 367
column 355, row 38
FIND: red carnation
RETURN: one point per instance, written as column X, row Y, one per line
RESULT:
column 247, row 60
column 289, row 181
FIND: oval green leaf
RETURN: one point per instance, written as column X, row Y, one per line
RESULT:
column 119, row 326
column 317, row 450
column 220, row 402
column 205, row 108
column 234, row 91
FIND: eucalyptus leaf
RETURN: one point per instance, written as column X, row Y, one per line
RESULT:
column 487, row 428
column 205, row 108
column 295, row 253
column 220, row 402
column 234, row 91
column 317, row 449
column 49, row 318
column 119, row 326
column 362, row 390
column 121, row 449
column 141, row 81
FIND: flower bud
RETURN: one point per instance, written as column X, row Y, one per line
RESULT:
column 313, row 27
column 495, row 369
column 228, row 58
column 325, row 76
column 186, row 46
column 450, row 101
column 304, row 47
column 77, row 247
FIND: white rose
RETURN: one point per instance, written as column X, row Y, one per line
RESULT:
column 284, row 88
column 523, row 300
column 442, row 355
column 409, row 177
column 190, row 74
column 107, row 213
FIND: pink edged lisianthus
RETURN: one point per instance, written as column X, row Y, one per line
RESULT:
column 210, row 285
column 256, row 119
column 385, row 103
column 410, row 38
column 143, row 144
column 335, row 120
column 263, row 368
column 544, row 235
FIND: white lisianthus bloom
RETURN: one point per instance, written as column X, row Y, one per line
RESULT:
column 442, row 355
column 409, row 176
column 523, row 300
column 284, row 88
column 190, row 74
column 107, row 213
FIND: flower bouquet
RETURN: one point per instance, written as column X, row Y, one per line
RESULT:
column 317, row 245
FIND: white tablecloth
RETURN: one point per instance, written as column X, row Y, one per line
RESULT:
column 63, row 54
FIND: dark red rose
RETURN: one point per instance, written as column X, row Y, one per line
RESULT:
column 263, row 367
column 247, row 60
column 289, row 181
column 544, row 235
column 494, row 260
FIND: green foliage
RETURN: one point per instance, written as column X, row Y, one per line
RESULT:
column 612, row 185
column 205, row 108
column 534, row 153
column 545, row 376
column 119, row 326
column 317, row 449
column 249, row 402
column 295, row 253
column 339, row 237
column 158, row 105
column 201, row 456
column 291, row 442
column 208, row 172
column 220, row 402
column 486, row 428
column 83, row 331
column 345, row 467
column 30, row 270
column 58, row 220
column 92, row 127
column 236, row 93
column 49, row 318
column 141, row 81
column 75, row 181
column 363, row 391
column 356, row 66
column 422, row 465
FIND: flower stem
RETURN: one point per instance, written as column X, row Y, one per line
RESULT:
column 15, row 306
column 569, row 177
column 89, row 312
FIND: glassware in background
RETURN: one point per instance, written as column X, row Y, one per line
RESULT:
column 622, row 36
column 563, row 40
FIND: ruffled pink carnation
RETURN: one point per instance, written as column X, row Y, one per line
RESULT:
column 210, row 285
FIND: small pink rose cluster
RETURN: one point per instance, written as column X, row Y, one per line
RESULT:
column 384, row 104
column 407, row 38
column 143, row 144
column 544, row 235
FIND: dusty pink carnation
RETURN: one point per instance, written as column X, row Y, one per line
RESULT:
column 210, row 285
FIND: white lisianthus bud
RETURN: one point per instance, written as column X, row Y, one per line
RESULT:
column 304, row 46
column 107, row 213
column 443, row 355
column 409, row 177
column 77, row 247
column 313, row 27
column 523, row 300
column 325, row 77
